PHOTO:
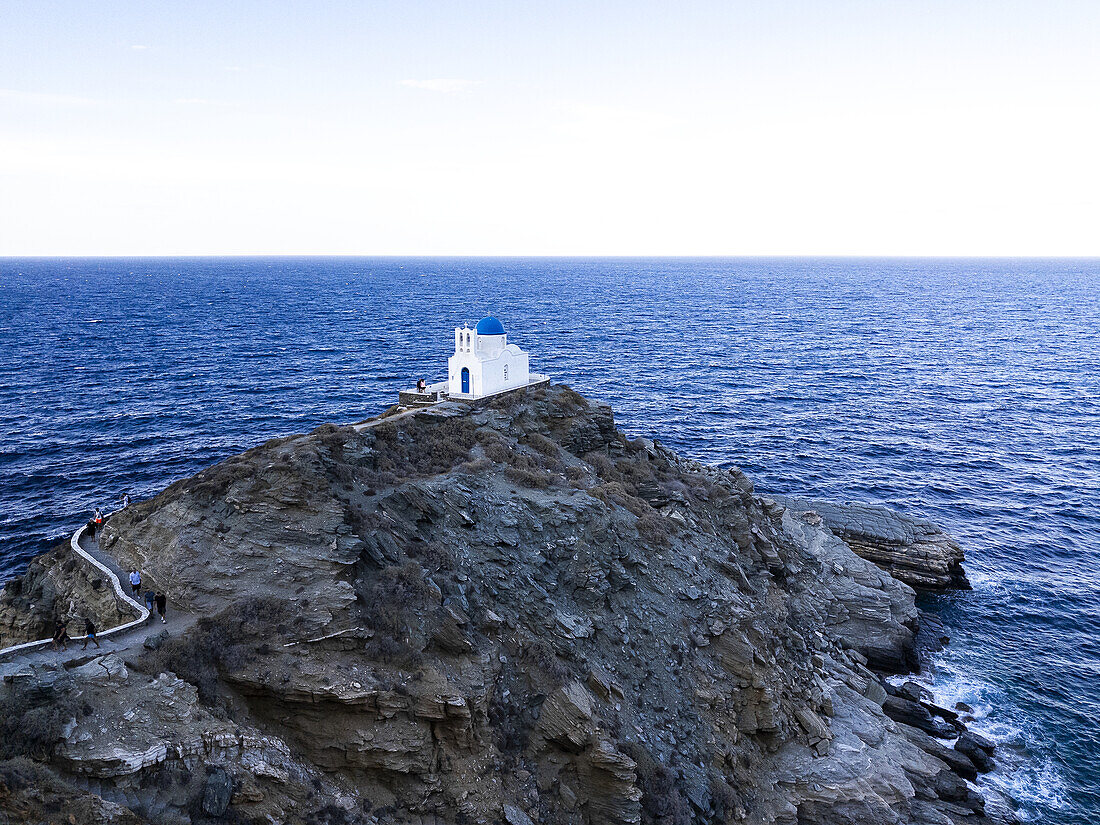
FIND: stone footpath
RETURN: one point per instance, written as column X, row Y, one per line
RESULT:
column 119, row 639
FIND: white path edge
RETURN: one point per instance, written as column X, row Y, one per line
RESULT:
column 120, row 592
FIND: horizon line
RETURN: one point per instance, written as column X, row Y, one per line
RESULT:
column 603, row 256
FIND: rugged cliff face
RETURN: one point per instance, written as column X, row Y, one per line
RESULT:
column 499, row 612
column 56, row 584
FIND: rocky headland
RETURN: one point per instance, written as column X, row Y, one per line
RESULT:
column 501, row 612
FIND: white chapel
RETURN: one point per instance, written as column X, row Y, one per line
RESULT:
column 484, row 362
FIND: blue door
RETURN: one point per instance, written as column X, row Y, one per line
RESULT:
column 465, row 380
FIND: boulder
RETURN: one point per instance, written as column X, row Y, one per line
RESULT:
column 566, row 716
column 918, row 716
column 978, row 749
column 911, row 550
column 217, row 792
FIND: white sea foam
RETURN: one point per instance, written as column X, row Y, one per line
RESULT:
column 1034, row 786
column 1024, row 780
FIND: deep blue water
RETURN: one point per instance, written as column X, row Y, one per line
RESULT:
column 967, row 391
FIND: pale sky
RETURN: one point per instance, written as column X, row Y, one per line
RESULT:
column 573, row 128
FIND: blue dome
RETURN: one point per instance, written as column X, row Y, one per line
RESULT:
column 489, row 326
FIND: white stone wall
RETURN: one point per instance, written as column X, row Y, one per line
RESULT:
column 494, row 364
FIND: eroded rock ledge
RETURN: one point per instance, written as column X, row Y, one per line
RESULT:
column 911, row 550
column 504, row 612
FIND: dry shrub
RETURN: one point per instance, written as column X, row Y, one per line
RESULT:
column 432, row 555
column 642, row 471
column 222, row 643
column 417, row 446
column 333, row 439
column 675, row 490
column 392, row 607
column 507, row 401
column 544, row 668
column 724, row 799
column 33, row 720
column 533, row 479
column 567, row 400
column 394, row 596
column 662, row 801
column 654, row 529
column 477, row 466
column 214, row 482
column 613, row 493
column 523, row 467
column 604, row 466
column 495, row 446
column 544, row 445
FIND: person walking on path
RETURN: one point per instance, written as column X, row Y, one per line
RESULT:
column 135, row 583
column 89, row 633
column 95, row 523
column 150, row 601
column 162, row 603
column 61, row 635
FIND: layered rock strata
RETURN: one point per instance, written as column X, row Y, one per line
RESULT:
column 500, row 612
column 911, row 550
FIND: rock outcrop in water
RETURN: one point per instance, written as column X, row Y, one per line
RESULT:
column 502, row 612
column 911, row 550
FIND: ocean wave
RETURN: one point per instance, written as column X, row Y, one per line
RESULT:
column 1028, row 781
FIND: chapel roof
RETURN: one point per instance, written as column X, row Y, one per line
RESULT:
column 489, row 326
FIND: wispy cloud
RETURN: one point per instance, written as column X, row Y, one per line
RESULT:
column 47, row 98
column 446, row 85
column 204, row 101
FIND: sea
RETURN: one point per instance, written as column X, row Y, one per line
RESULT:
column 966, row 391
